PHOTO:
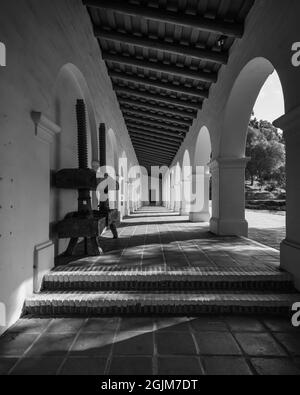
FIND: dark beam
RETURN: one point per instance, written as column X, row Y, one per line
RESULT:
column 158, row 67
column 140, row 116
column 199, row 54
column 147, row 106
column 152, row 143
column 154, row 123
column 170, row 142
column 163, row 144
column 164, row 129
column 199, row 93
column 151, row 154
column 167, row 145
column 180, row 123
column 157, row 133
column 146, row 136
column 156, row 130
column 160, row 99
column 198, row 22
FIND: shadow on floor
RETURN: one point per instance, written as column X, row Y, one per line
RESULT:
column 209, row 345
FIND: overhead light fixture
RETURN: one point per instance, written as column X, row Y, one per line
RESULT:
column 221, row 41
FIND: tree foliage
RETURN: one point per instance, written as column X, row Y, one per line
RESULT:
column 265, row 146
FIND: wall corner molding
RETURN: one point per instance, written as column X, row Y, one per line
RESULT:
column 45, row 129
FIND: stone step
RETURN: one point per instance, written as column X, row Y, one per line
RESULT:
column 165, row 303
column 104, row 279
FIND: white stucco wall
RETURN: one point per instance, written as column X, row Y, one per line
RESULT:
column 40, row 38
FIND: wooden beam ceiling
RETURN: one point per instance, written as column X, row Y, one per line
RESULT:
column 167, row 86
column 181, row 124
column 168, row 130
column 183, row 116
column 163, row 142
column 171, row 48
column 166, row 100
column 164, row 147
column 229, row 29
column 158, row 67
column 163, row 62
column 156, row 132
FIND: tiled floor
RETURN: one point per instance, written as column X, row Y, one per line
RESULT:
column 211, row 345
column 158, row 241
column 267, row 227
column 208, row 345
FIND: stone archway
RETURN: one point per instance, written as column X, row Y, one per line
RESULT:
column 228, row 170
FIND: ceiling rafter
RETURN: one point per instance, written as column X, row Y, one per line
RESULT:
column 153, row 152
column 180, row 135
column 177, row 122
column 158, row 67
column 161, row 74
column 168, row 130
column 199, row 22
column 169, row 144
column 162, row 46
column 160, row 99
column 184, row 117
column 167, row 86
column 158, row 145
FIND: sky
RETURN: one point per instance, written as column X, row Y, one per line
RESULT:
column 270, row 102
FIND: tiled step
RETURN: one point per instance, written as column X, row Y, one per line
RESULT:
column 177, row 280
column 166, row 303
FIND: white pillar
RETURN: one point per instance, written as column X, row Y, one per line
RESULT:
column 185, row 197
column 290, row 247
column 228, row 217
column 178, row 200
column 199, row 209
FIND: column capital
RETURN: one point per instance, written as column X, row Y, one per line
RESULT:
column 229, row 163
column 289, row 121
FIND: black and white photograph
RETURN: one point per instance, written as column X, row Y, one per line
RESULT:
column 149, row 191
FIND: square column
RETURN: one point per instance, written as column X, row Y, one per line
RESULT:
column 199, row 208
column 290, row 247
column 228, row 216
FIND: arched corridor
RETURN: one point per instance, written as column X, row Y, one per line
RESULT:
column 123, row 157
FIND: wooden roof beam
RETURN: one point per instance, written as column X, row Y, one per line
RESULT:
column 158, row 143
column 142, row 118
column 152, row 154
column 199, row 93
column 164, row 134
column 161, row 99
column 170, row 144
column 167, row 135
column 163, row 46
column 198, row 22
column 158, row 67
column 144, row 107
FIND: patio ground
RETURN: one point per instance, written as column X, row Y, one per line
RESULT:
column 123, row 346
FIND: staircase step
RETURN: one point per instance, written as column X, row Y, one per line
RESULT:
column 177, row 280
column 165, row 303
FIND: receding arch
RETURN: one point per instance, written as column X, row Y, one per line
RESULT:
column 203, row 148
column 240, row 105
